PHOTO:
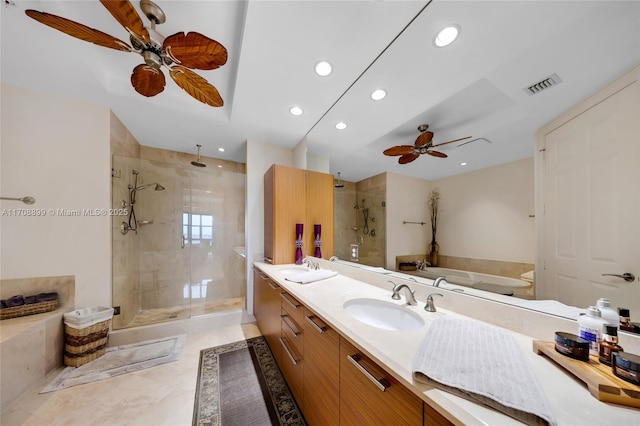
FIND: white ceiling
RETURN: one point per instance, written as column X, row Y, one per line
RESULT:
column 472, row 88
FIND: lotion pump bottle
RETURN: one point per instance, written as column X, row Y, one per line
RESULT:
column 607, row 312
column 590, row 328
column 609, row 344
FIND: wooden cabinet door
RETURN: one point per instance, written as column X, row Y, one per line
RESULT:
column 284, row 206
column 320, row 205
column 371, row 396
column 321, row 372
column 266, row 308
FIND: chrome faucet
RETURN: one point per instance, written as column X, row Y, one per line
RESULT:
column 408, row 293
column 438, row 280
column 311, row 264
column 430, row 306
column 333, row 258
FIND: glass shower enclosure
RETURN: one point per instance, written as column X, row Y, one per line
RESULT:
column 177, row 247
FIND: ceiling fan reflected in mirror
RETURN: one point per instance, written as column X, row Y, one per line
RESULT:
column 422, row 145
column 178, row 52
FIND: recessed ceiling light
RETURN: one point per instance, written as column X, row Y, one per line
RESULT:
column 378, row 94
column 341, row 125
column 447, row 35
column 221, row 149
column 463, row 164
column 295, row 110
column 323, row 68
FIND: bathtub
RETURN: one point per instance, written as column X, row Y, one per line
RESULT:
column 472, row 279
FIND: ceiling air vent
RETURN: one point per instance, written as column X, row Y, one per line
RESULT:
column 544, row 84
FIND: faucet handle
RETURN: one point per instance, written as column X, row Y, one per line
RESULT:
column 430, row 306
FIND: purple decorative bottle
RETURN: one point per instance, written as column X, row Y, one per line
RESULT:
column 317, row 230
column 299, row 229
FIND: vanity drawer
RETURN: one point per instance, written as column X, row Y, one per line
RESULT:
column 292, row 306
column 292, row 369
column 371, row 396
column 292, row 331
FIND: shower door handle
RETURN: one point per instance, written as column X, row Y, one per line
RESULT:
column 183, row 239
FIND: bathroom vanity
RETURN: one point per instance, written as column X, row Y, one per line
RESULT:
column 331, row 359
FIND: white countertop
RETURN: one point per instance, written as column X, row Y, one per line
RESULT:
column 570, row 400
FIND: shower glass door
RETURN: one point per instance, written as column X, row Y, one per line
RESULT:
column 175, row 257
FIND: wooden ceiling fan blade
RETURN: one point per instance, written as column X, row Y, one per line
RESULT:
column 147, row 81
column 126, row 15
column 455, row 140
column 195, row 50
column 399, row 150
column 424, row 139
column 77, row 30
column 437, row 154
column 196, row 86
column 407, row 158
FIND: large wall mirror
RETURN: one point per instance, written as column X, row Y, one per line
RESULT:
column 515, row 67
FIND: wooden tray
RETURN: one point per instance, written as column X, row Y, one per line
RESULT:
column 600, row 380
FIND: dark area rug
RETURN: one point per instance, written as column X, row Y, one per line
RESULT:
column 241, row 384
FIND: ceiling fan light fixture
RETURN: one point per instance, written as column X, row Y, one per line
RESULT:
column 341, row 125
column 378, row 94
column 323, row 68
column 447, row 35
column 295, row 110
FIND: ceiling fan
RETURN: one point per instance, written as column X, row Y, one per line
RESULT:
column 422, row 145
column 178, row 52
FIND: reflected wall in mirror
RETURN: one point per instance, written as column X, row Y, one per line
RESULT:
column 485, row 223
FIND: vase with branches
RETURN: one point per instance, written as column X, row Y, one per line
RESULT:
column 434, row 204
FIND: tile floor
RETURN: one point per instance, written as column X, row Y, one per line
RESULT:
column 161, row 395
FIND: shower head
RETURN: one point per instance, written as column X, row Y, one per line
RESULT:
column 159, row 187
column 197, row 162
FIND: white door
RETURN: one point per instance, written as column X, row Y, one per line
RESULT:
column 591, row 212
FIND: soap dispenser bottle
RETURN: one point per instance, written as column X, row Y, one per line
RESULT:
column 609, row 344
column 607, row 312
column 590, row 328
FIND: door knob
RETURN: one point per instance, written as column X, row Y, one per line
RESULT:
column 626, row 276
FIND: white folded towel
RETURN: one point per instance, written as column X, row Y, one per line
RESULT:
column 484, row 364
column 311, row 276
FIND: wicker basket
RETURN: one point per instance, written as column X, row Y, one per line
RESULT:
column 30, row 309
column 85, row 344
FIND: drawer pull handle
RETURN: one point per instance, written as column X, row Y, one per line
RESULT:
column 273, row 285
column 284, row 345
column 268, row 260
column 293, row 330
column 319, row 329
column 285, row 296
column 263, row 276
column 382, row 384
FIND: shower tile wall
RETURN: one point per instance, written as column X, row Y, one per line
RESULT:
column 344, row 220
column 125, row 151
column 373, row 190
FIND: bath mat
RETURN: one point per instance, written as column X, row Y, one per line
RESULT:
column 241, row 384
column 120, row 360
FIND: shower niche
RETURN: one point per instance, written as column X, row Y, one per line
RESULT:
column 173, row 251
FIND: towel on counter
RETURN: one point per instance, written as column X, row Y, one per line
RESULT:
column 311, row 276
column 484, row 364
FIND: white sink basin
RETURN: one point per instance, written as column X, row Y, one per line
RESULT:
column 293, row 270
column 384, row 315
